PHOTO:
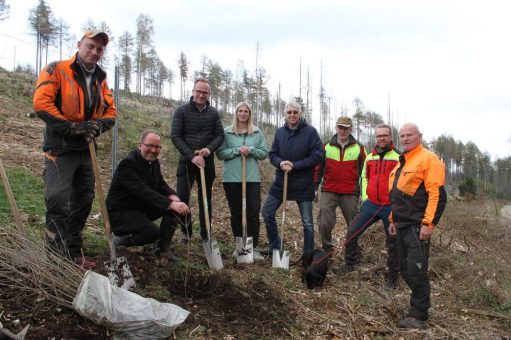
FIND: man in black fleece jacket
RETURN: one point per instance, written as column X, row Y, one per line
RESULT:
column 197, row 133
column 139, row 195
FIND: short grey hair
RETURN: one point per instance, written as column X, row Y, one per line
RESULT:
column 293, row 105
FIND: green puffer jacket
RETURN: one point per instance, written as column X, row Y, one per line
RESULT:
column 230, row 154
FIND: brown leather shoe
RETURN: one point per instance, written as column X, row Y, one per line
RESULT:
column 82, row 262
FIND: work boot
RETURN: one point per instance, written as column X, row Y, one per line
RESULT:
column 165, row 253
column 257, row 255
column 82, row 262
column 411, row 323
column 124, row 240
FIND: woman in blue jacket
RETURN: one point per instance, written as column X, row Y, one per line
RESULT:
column 243, row 138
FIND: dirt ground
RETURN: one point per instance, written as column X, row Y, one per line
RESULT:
column 258, row 302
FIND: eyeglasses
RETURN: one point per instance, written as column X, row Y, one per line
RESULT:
column 382, row 136
column 204, row 93
column 292, row 112
column 153, row 146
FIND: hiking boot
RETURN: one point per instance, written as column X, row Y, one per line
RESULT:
column 411, row 323
column 124, row 240
column 82, row 262
column 257, row 255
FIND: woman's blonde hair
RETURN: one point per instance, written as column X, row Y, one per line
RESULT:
column 250, row 128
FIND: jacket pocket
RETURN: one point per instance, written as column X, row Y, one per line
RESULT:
column 410, row 180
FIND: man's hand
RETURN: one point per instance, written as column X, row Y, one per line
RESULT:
column 174, row 198
column 93, row 128
column 204, row 152
column 392, row 229
column 180, row 207
column 286, row 166
column 244, row 150
column 425, row 233
column 199, row 161
column 88, row 129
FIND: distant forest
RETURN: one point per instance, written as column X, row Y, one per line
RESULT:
column 141, row 71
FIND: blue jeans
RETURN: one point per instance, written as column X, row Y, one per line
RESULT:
column 270, row 207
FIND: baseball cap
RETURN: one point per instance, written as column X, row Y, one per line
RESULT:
column 96, row 33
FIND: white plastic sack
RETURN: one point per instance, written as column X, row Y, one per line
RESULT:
column 126, row 314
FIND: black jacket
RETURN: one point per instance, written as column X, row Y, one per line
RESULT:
column 138, row 185
column 193, row 130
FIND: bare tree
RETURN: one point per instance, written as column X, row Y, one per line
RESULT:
column 4, row 10
column 126, row 43
column 183, row 65
column 144, row 41
column 42, row 23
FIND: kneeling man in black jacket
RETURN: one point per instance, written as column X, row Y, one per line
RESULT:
column 139, row 195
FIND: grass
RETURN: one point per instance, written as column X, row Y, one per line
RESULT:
column 28, row 193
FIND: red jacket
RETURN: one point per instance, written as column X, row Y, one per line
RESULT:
column 342, row 167
column 375, row 175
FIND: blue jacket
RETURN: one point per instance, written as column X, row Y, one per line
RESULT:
column 303, row 147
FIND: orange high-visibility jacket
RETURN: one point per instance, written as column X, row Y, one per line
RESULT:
column 61, row 98
column 416, row 187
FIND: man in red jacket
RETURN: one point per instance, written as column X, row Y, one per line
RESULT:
column 340, row 171
column 376, row 203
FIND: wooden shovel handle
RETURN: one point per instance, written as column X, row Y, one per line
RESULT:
column 10, row 197
column 204, row 199
column 284, row 207
column 244, row 197
column 101, row 198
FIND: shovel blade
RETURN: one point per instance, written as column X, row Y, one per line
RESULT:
column 119, row 273
column 213, row 255
column 280, row 260
column 245, row 252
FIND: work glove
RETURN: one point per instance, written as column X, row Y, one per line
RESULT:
column 88, row 129
column 93, row 128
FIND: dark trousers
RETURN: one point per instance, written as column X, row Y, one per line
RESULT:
column 233, row 193
column 142, row 228
column 413, row 265
column 68, row 193
column 368, row 215
column 187, row 173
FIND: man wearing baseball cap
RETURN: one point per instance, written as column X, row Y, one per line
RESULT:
column 340, row 173
column 73, row 99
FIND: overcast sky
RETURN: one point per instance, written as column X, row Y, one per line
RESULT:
column 444, row 64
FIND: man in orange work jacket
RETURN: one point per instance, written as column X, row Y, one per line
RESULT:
column 418, row 200
column 74, row 101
